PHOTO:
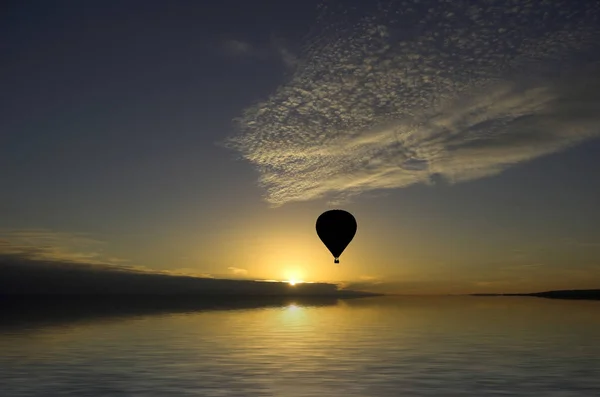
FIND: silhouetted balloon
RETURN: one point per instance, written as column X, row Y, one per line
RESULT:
column 336, row 228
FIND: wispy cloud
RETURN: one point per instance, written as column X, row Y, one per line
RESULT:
column 20, row 275
column 277, row 49
column 238, row 48
column 39, row 261
column 460, row 93
column 372, row 279
column 72, row 250
column 289, row 59
column 48, row 245
column 187, row 271
column 238, row 271
column 43, row 261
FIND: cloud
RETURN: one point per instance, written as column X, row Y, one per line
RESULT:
column 277, row 49
column 186, row 271
column 371, row 279
column 41, row 261
column 66, row 249
column 23, row 275
column 281, row 48
column 364, row 283
column 238, row 48
column 237, row 271
column 452, row 92
column 47, row 245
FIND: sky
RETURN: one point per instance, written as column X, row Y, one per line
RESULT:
column 191, row 138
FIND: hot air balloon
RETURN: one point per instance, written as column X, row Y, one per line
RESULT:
column 336, row 228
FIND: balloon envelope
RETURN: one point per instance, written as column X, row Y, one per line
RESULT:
column 336, row 228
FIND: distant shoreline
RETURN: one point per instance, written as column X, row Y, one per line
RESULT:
column 582, row 294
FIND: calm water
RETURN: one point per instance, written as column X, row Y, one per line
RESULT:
column 455, row 346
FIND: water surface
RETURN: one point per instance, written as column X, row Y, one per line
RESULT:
column 384, row 346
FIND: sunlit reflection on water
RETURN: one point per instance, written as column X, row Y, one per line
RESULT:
column 364, row 347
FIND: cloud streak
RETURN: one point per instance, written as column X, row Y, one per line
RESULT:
column 276, row 48
column 20, row 275
column 47, row 245
column 238, row 271
column 456, row 90
column 47, row 262
column 238, row 48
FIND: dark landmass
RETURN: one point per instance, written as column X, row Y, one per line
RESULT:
column 585, row 294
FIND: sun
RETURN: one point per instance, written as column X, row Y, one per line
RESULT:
column 293, row 276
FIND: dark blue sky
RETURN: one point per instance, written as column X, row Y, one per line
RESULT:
column 109, row 106
column 115, row 117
